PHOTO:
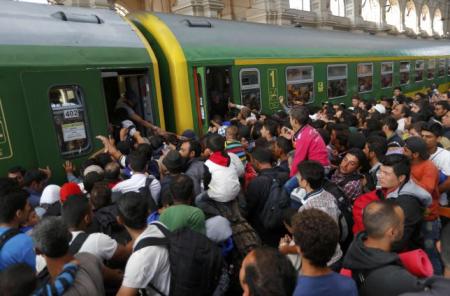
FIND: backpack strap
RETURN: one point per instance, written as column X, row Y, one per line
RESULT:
column 154, row 241
column 78, row 242
column 7, row 235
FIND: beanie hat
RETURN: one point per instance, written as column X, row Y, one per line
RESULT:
column 417, row 145
column 68, row 189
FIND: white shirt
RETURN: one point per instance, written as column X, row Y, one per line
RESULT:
column 98, row 244
column 441, row 159
column 136, row 182
column 401, row 126
column 149, row 264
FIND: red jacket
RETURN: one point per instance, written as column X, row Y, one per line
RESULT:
column 309, row 145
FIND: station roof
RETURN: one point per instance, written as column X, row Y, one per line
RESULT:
column 231, row 39
column 71, row 34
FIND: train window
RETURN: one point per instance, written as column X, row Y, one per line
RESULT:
column 441, row 68
column 70, row 120
column 404, row 72
column 300, row 84
column 430, row 69
column 365, row 76
column 420, row 65
column 337, row 81
column 250, row 88
column 387, row 70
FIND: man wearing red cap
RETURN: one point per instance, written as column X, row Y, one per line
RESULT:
column 69, row 189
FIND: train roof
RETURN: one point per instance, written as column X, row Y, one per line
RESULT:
column 207, row 38
column 74, row 35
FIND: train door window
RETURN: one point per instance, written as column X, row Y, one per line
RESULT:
column 300, row 84
column 250, row 88
column 430, row 69
column 337, row 81
column 365, row 77
column 387, row 70
column 420, row 65
column 218, row 91
column 441, row 68
column 127, row 90
column 405, row 68
column 70, row 120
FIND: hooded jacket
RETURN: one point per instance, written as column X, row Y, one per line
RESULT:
column 412, row 198
column 377, row 272
column 224, row 185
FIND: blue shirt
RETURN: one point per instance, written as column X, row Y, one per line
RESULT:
column 18, row 249
column 332, row 284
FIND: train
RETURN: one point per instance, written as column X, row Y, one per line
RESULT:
column 63, row 70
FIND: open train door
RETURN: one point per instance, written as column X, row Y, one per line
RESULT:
column 200, row 99
column 66, row 110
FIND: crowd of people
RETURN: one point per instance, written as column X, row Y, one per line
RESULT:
column 329, row 200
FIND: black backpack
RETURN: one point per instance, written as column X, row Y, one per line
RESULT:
column 196, row 263
column 147, row 194
column 7, row 235
column 345, row 207
column 278, row 201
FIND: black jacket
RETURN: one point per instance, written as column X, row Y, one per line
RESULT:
column 377, row 272
column 257, row 193
column 434, row 286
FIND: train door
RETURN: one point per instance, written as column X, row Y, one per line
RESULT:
column 218, row 90
column 201, row 105
column 66, row 111
column 135, row 86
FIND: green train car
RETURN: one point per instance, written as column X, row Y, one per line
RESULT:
column 62, row 70
column 208, row 61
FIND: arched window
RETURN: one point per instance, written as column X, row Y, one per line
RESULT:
column 300, row 4
column 438, row 23
column 411, row 16
column 425, row 20
column 393, row 16
column 337, row 7
column 370, row 11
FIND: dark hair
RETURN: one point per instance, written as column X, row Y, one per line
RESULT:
column 445, row 246
column 443, row 104
column 137, row 162
column 90, row 179
column 74, row 209
column 215, row 142
column 103, row 159
column 17, row 169
column 373, row 124
column 133, row 210
column 18, row 280
column 124, row 147
column 390, row 122
column 34, row 175
column 434, row 128
column 378, row 145
column 288, row 215
column 359, row 154
column 398, row 87
column 194, row 145
column 262, row 155
column 256, row 130
column 399, row 163
column 317, row 235
column 325, row 135
column 100, row 195
column 378, row 216
column 284, row 144
column 349, row 118
column 146, row 150
column 181, row 188
column 271, row 273
column 300, row 113
column 7, row 185
column 112, row 171
column 10, row 202
column 271, row 126
column 313, row 172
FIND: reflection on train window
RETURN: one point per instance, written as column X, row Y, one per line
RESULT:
column 420, row 65
column 430, row 69
column 69, row 118
column 337, row 81
column 387, row 69
column 300, row 84
column 250, row 88
column 441, row 68
column 365, row 75
column 404, row 72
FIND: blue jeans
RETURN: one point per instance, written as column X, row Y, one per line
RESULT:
column 431, row 232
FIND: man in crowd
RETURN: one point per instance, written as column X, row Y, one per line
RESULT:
column 191, row 150
column 316, row 236
column 389, row 127
column 264, row 271
column 400, row 112
column 375, row 149
column 375, row 267
column 309, row 145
